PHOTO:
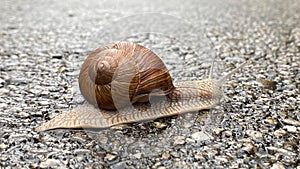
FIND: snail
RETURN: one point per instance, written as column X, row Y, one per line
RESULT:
column 126, row 82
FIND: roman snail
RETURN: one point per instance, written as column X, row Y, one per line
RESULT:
column 126, row 82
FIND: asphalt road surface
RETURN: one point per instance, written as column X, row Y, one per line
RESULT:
column 257, row 125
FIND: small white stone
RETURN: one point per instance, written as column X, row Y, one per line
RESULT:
column 3, row 91
column 50, row 163
column 43, row 103
column 23, row 114
column 279, row 132
column 138, row 155
column 291, row 129
column 3, row 146
column 291, row 121
column 277, row 166
column 161, row 167
column 189, row 56
column 200, row 136
column 179, row 140
column 3, row 105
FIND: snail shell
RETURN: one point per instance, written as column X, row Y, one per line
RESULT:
column 125, row 83
column 124, row 73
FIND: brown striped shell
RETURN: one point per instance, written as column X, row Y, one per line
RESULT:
column 121, row 74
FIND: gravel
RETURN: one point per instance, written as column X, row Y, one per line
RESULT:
column 43, row 45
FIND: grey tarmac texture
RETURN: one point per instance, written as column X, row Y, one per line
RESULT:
column 44, row 43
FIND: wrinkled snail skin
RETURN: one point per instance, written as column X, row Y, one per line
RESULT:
column 188, row 97
column 182, row 97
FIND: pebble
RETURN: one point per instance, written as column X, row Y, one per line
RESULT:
column 190, row 140
column 271, row 120
column 3, row 146
column 34, row 165
column 249, row 147
column 51, row 154
column 80, row 158
column 291, row 129
column 50, row 163
column 61, row 68
column 44, row 103
column 45, row 93
column 280, row 132
column 254, row 134
column 189, row 56
column 61, row 106
column 22, row 115
column 111, row 157
column 227, row 133
column 3, row 105
column 281, row 150
column 159, row 125
column 246, row 140
column 222, row 158
column 157, row 165
column 138, row 155
column 175, row 154
column 277, row 166
column 200, row 136
column 179, row 140
column 3, row 91
column 291, row 121
column 218, row 131
column 161, row 167
column 19, row 137
column 35, row 91
column 166, row 156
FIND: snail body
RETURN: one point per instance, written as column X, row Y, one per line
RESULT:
column 126, row 82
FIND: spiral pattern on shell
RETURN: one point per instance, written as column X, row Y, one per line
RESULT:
column 116, row 75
